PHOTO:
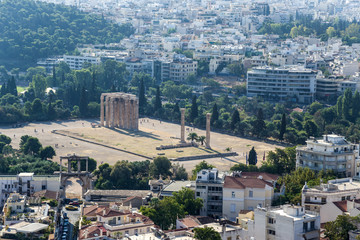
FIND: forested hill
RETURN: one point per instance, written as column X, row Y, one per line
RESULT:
column 30, row 30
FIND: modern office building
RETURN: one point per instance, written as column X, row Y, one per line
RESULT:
column 332, row 152
column 295, row 84
column 209, row 187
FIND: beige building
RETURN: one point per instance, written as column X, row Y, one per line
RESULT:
column 245, row 194
column 332, row 152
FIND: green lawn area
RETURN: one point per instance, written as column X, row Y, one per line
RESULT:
column 19, row 89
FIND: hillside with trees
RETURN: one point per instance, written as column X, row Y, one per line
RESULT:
column 33, row 29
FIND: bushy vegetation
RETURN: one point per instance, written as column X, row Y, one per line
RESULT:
column 34, row 29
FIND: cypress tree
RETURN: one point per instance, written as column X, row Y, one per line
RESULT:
column 282, row 127
column 142, row 98
column 51, row 112
column 339, row 107
column 347, row 104
column 83, row 102
column 54, row 81
column 252, row 157
column 158, row 105
column 3, row 90
column 356, row 106
column 176, row 112
column 194, row 109
column 93, row 86
column 11, row 86
column 214, row 115
column 259, row 124
column 235, row 118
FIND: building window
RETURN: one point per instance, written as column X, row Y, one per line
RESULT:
column 198, row 194
column 232, row 207
column 342, row 198
column 18, row 207
column 348, row 198
column 271, row 220
column 271, row 232
column 305, row 227
column 312, row 225
column 323, row 200
column 251, row 193
column 43, row 187
column 233, row 194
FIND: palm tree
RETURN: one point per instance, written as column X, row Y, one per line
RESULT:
column 201, row 139
column 192, row 136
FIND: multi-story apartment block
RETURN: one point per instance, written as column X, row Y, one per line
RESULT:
column 245, row 194
column 76, row 62
column 291, row 83
column 27, row 184
column 335, row 190
column 181, row 68
column 332, row 152
column 112, row 224
column 288, row 222
column 209, row 187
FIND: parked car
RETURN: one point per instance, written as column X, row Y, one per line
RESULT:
column 71, row 208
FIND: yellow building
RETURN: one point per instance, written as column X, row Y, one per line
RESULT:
column 245, row 194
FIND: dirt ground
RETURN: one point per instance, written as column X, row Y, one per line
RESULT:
column 152, row 132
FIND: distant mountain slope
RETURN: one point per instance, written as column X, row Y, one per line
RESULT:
column 30, row 30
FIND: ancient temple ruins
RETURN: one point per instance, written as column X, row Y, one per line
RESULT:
column 119, row 110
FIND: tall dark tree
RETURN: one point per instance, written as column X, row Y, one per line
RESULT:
column 54, row 80
column 252, row 157
column 259, row 124
column 176, row 112
column 11, row 86
column 3, row 90
column 214, row 115
column 339, row 107
column 158, row 105
column 356, row 106
column 93, row 87
column 83, row 102
column 142, row 97
column 51, row 113
column 194, row 109
column 235, row 119
column 282, row 127
column 347, row 104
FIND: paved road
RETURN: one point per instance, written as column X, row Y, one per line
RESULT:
column 74, row 216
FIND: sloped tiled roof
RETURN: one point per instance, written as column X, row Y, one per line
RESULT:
column 242, row 183
column 265, row 176
column 342, row 205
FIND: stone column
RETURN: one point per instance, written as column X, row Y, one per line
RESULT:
column 79, row 165
column 182, row 110
column 112, row 112
column 208, row 117
column 69, row 165
column 116, row 107
column 107, row 105
column 60, row 166
column 136, row 114
column 127, row 113
column 122, row 111
column 102, row 110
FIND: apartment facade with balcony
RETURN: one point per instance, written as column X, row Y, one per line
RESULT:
column 295, row 84
column 209, row 187
column 336, row 190
column 332, row 152
column 287, row 222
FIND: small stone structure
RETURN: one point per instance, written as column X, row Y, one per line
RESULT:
column 84, row 176
column 182, row 110
column 119, row 110
column 207, row 141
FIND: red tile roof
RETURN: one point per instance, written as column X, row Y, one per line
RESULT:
column 92, row 231
column 242, row 183
column 190, row 222
column 342, row 205
column 265, row 176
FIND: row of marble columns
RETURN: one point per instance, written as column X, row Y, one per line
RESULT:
column 119, row 110
column 208, row 118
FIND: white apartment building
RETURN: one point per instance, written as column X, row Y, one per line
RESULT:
column 76, row 62
column 286, row 84
column 288, row 222
column 332, row 152
column 209, row 187
column 181, row 68
column 27, row 184
column 335, row 190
